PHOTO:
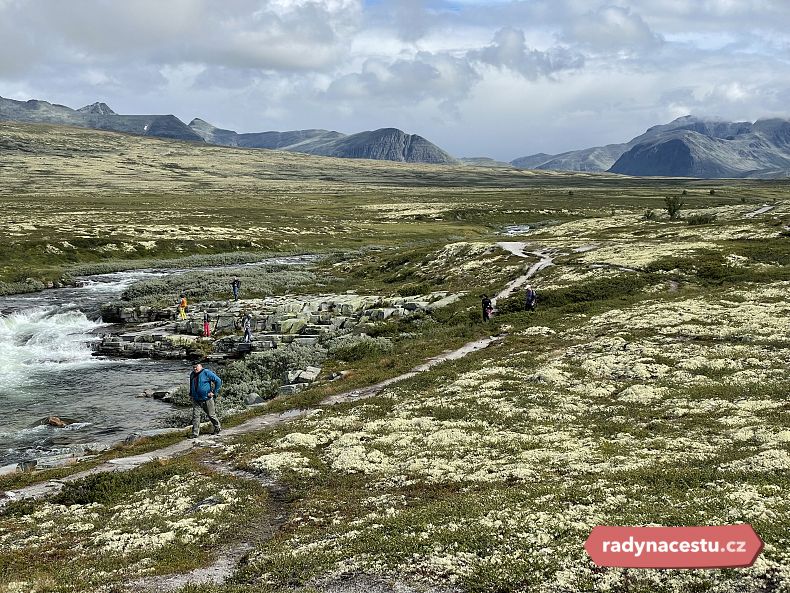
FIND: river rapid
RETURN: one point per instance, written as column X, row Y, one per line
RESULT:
column 47, row 369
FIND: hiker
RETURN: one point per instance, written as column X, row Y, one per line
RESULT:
column 487, row 307
column 247, row 325
column 530, row 299
column 206, row 327
column 204, row 388
column 182, row 307
column 235, row 285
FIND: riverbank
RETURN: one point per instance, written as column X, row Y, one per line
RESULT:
column 47, row 367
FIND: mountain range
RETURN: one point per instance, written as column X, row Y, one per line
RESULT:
column 686, row 147
column 384, row 144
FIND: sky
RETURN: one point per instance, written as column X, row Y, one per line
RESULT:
column 492, row 78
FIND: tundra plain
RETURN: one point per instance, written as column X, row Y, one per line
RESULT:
column 648, row 388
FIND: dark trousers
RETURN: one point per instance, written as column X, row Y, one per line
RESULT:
column 207, row 407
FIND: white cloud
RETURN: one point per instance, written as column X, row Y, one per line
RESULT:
column 503, row 78
column 510, row 51
column 613, row 28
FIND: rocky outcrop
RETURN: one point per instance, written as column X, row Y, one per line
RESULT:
column 275, row 321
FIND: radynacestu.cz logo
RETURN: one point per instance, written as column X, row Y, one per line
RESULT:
column 722, row 546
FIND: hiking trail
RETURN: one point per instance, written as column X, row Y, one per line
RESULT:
column 228, row 558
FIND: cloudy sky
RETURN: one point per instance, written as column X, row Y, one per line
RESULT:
column 499, row 78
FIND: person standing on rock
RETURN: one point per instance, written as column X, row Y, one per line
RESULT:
column 530, row 299
column 206, row 326
column 182, row 307
column 235, row 285
column 487, row 307
column 204, row 386
column 247, row 325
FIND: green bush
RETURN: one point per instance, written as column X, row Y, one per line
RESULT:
column 595, row 290
column 111, row 487
column 353, row 348
column 673, row 206
column 262, row 372
column 31, row 285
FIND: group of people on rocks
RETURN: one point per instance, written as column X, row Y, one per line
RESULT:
column 246, row 320
column 183, row 305
column 530, row 302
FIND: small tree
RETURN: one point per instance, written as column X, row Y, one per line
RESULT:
column 712, row 192
column 649, row 214
column 673, row 206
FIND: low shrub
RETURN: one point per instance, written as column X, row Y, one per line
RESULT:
column 262, row 372
column 706, row 218
column 111, row 487
column 30, row 285
column 595, row 290
column 354, row 348
column 205, row 285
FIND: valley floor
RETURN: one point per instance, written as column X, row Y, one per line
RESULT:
column 649, row 387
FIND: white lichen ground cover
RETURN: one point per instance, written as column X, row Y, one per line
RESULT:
column 489, row 475
column 667, row 407
column 177, row 520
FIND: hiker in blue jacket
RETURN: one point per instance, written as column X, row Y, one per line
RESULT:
column 204, row 388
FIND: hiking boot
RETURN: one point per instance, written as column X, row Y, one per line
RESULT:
column 216, row 431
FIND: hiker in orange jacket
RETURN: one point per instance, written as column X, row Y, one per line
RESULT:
column 182, row 307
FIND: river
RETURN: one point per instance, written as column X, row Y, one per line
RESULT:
column 47, row 369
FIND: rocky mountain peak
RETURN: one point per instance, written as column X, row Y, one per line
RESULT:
column 97, row 109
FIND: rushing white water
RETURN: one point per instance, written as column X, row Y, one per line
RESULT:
column 47, row 369
column 40, row 340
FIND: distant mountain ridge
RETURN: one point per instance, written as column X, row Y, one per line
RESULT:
column 384, row 144
column 98, row 116
column 388, row 144
column 686, row 147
